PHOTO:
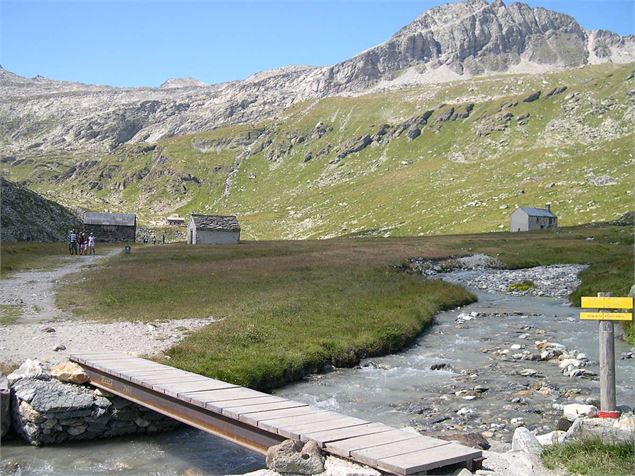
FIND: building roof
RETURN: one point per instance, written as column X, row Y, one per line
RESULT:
column 119, row 219
column 216, row 222
column 538, row 212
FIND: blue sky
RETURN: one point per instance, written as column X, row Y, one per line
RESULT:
column 144, row 42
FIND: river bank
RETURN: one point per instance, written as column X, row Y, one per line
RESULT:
column 479, row 369
column 471, row 372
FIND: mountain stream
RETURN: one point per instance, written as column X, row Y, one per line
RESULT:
column 475, row 370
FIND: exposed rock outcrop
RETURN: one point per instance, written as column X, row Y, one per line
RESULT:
column 25, row 215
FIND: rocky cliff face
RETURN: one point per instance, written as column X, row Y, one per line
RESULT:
column 25, row 215
column 445, row 43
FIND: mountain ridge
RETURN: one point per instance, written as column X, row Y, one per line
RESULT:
column 449, row 42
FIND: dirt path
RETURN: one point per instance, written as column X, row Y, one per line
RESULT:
column 34, row 291
column 49, row 334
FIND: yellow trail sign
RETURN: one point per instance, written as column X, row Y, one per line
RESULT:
column 603, row 303
column 607, row 302
column 607, row 316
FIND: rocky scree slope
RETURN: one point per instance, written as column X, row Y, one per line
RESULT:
column 454, row 41
column 452, row 157
column 25, row 215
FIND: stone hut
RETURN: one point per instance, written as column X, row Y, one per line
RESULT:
column 111, row 227
column 526, row 219
column 213, row 230
column 175, row 220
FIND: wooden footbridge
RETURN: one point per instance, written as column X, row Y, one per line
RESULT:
column 258, row 420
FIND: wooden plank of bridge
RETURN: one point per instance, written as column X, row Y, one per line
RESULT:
column 237, row 412
column 260, row 420
column 427, row 459
column 372, row 455
column 344, row 448
column 328, row 436
column 276, row 423
column 177, row 389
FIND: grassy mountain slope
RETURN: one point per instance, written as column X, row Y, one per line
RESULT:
column 341, row 166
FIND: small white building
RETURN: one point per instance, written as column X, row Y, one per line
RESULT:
column 527, row 218
column 213, row 230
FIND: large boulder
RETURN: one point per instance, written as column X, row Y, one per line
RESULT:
column 293, row 457
column 607, row 429
column 69, row 372
column 5, row 415
column 524, row 440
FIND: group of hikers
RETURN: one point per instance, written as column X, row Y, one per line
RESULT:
column 81, row 243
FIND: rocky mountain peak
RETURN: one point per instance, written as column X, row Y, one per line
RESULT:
column 173, row 83
column 450, row 42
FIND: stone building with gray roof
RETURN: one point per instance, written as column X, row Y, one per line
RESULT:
column 111, row 227
column 213, row 230
column 528, row 218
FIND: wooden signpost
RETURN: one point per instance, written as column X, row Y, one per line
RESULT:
column 606, row 310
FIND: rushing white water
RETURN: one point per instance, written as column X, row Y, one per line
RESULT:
column 398, row 390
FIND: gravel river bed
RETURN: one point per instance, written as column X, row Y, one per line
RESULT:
column 476, row 369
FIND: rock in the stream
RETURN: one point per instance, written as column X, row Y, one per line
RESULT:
column 291, row 457
column 69, row 372
column 29, row 369
column 563, row 424
column 5, row 416
column 525, row 440
column 473, row 440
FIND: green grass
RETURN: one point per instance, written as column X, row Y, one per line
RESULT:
column 521, row 286
column 22, row 256
column 289, row 307
column 591, row 457
column 10, row 313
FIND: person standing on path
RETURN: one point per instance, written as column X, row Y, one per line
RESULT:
column 91, row 244
column 82, row 243
column 72, row 238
